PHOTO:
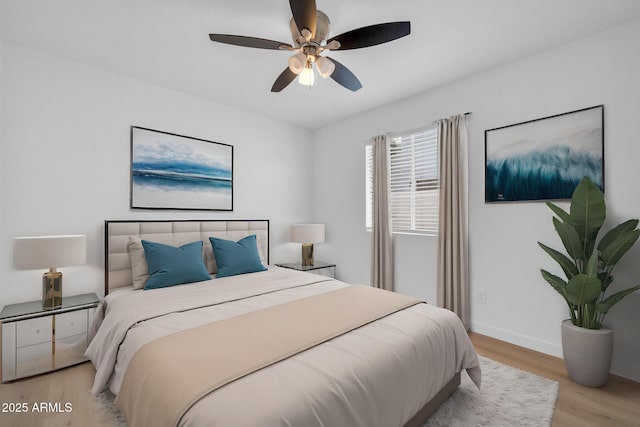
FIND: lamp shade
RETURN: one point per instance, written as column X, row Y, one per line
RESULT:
column 297, row 62
column 307, row 233
column 49, row 251
column 325, row 67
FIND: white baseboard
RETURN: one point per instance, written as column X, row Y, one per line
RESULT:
column 626, row 370
column 619, row 368
column 517, row 339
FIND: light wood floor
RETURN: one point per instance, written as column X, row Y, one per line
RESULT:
column 69, row 385
column 617, row 404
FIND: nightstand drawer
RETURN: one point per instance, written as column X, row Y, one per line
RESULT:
column 69, row 324
column 34, row 359
column 70, row 351
column 34, row 331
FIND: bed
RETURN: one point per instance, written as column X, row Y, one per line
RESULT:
column 395, row 369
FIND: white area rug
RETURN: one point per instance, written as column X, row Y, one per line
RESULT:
column 509, row 397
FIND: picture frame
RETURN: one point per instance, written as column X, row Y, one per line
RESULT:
column 545, row 158
column 178, row 172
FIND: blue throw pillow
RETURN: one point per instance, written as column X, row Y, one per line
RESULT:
column 169, row 266
column 233, row 258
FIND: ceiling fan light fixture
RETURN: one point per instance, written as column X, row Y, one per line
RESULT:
column 307, row 76
column 297, row 62
column 325, row 67
column 310, row 30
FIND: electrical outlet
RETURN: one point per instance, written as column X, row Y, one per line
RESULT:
column 482, row 297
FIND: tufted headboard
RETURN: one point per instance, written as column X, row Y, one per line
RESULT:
column 117, row 267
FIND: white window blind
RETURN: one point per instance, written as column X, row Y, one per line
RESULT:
column 369, row 186
column 413, row 183
column 414, row 186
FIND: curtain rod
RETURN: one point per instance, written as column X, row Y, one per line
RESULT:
column 394, row 134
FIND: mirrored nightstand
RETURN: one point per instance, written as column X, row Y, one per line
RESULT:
column 319, row 267
column 36, row 340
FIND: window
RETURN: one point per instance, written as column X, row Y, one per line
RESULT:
column 414, row 187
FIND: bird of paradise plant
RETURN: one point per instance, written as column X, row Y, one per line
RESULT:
column 588, row 265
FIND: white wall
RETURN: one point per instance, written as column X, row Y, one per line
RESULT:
column 3, row 253
column 65, row 160
column 504, row 257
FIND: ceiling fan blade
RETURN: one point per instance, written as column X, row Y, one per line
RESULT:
column 372, row 35
column 283, row 80
column 343, row 76
column 304, row 14
column 250, row 42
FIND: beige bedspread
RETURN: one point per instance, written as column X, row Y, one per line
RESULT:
column 163, row 380
column 379, row 375
column 124, row 311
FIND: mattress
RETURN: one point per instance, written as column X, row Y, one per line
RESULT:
column 378, row 375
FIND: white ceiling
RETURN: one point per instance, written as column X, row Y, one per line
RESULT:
column 166, row 42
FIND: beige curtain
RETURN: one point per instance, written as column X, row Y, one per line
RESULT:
column 381, row 244
column 453, row 258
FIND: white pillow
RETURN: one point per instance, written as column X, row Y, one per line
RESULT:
column 139, row 267
column 209, row 257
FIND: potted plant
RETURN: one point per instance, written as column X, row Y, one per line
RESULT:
column 588, row 265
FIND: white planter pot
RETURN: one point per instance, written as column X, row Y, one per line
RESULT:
column 587, row 353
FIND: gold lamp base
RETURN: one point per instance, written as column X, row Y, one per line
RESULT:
column 307, row 254
column 51, row 289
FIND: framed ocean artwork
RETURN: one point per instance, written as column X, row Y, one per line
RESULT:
column 544, row 159
column 170, row 171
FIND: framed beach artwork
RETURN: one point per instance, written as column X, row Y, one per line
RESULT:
column 170, row 171
column 544, row 159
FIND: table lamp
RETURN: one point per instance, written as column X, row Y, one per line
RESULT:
column 307, row 234
column 38, row 252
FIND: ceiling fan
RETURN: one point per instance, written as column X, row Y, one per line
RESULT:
column 309, row 30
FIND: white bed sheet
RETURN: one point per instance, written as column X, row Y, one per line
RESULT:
column 378, row 375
